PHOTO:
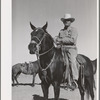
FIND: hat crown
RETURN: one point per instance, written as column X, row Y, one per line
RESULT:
column 66, row 16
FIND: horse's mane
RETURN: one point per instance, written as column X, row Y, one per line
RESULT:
column 49, row 36
column 57, row 50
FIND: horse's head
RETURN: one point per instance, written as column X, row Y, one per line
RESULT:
column 39, row 38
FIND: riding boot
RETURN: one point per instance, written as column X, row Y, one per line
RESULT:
column 72, row 86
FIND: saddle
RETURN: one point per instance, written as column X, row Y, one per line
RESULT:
column 80, row 59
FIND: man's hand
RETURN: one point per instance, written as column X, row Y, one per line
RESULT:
column 59, row 40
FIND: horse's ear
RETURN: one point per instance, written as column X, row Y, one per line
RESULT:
column 32, row 26
column 25, row 63
column 45, row 26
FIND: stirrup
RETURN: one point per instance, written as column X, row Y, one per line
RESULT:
column 76, row 84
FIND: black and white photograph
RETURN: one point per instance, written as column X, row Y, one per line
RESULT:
column 54, row 50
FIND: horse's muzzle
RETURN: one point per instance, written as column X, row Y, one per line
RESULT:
column 31, row 52
column 32, row 48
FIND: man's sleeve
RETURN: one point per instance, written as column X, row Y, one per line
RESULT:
column 71, row 39
column 55, row 39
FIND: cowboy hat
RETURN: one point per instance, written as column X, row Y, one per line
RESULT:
column 67, row 17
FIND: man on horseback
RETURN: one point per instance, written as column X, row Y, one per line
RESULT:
column 67, row 41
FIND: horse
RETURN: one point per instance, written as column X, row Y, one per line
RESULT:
column 30, row 68
column 51, row 64
column 16, row 71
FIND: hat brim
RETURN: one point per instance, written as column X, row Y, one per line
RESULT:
column 68, row 19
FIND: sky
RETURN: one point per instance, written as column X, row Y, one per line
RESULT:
column 40, row 11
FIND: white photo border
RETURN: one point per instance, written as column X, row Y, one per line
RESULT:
column 6, row 49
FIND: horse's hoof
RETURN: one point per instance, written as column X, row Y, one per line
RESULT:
column 12, row 84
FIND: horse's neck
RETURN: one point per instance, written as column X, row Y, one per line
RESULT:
column 47, row 49
column 46, row 58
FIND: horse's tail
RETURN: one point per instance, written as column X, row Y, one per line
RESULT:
column 94, row 64
column 94, row 72
column 94, row 84
column 89, row 89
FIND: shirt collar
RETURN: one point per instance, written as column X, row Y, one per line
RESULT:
column 69, row 28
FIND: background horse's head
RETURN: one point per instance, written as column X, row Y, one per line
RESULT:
column 24, row 68
column 40, row 40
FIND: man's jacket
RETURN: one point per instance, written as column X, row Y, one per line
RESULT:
column 67, row 37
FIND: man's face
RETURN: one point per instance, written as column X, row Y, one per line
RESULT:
column 67, row 23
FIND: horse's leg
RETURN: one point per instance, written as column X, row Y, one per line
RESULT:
column 82, row 93
column 16, row 80
column 45, row 90
column 81, row 90
column 17, row 77
column 56, row 86
column 34, row 74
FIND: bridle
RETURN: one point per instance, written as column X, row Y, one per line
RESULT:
column 40, row 54
column 38, row 45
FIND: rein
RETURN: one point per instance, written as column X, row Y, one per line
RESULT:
column 45, row 52
column 38, row 57
column 38, row 45
column 44, row 69
column 38, row 54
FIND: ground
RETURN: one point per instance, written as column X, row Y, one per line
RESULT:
column 26, row 92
